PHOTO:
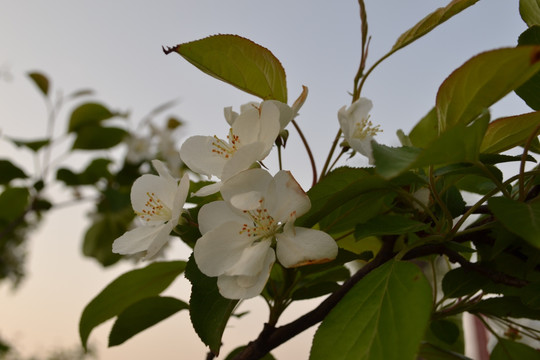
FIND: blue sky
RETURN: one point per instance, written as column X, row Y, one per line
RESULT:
column 115, row 49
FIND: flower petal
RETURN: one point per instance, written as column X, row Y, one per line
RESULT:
column 156, row 187
column 208, row 189
column 242, row 159
column 180, row 198
column 161, row 238
column 217, row 213
column 285, row 198
column 136, row 240
column 221, row 248
column 252, row 259
column 196, row 152
column 245, row 287
column 286, row 114
column 301, row 246
column 245, row 189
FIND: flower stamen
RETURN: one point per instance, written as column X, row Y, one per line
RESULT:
column 364, row 128
column 154, row 209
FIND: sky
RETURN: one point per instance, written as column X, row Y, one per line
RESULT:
column 114, row 48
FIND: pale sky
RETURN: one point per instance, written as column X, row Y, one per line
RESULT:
column 115, row 49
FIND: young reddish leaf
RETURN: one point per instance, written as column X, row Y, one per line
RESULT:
column 431, row 21
column 482, row 81
column 239, row 62
column 506, row 133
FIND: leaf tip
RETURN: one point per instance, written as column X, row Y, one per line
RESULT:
column 169, row 49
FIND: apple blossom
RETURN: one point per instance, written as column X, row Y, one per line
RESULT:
column 357, row 129
column 158, row 201
column 250, row 139
column 239, row 233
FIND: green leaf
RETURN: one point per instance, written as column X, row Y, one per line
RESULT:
column 521, row 218
column 8, row 172
column 209, row 311
column 13, row 203
column 383, row 317
column 460, row 282
column 529, row 90
column 388, row 225
column 142, row 315
column 237, row 351
column 125, row 291
column 505, row 306
column 41, row 81
column 445, row 330
column 511, row 350
column 530, row 11
column 239, row 62
column 88, row 114
column 432, row 352
column 97, row 138
column 431, row 21
column 426, row 130
column 33, row 145
column 96, row 170
column 482, row 81
column 506, row 133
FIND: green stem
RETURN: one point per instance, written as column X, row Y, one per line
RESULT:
column 308, row 149
column 330, row 154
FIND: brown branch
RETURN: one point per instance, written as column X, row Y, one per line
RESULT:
column 271, row 337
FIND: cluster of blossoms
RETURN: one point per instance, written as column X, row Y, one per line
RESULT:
column 253, row 225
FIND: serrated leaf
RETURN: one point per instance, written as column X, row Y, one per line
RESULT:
column 126, row 290
column 88, row 114
column 209, row 311
column 521, row 218
column 482, row 81
column 508, row 132
column 239, row 62
column 431, row 21
column 383, row 317
column 142, row 315
column 388, row 225
column 41, row 81
column 97, row 138
column 8, row 172
column 530, row 11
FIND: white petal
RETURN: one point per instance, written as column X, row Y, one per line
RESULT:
column 247, row 126
column 242, row 159
column 220, row 248
column 180, row 199
column 270, row 124
column 157, row 187
column 363, row 146
column 136, row 240
column 162, row 170
column 285, row 198
column 245, row 189
column 196, row 153
column 252, row 259
column 161, row 238
column 208, row 189
column 216, row 213
column 286, row 113
column 230, row 115
column 302, row 246
column 245, row 287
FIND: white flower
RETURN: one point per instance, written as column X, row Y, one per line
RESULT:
column 357, row 128
column 239, row 233
column 158, row 201
column 250, row 139
column 138, row 149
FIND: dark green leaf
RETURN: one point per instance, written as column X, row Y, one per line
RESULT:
column 383, row 317
column 33, row 145
column 68, row 177
column 482, row 81
column 126, row 290
column 209, row 311
column 511, row 350
column 445, row 330
column 388, row 225
column 239, row 62
column 530, row 11
column 237, row 351
column 505, row 306
column 521, row 218
column 13, row 203
column 41, row 81
column 97, row 137
column 96, row 170
column 530, row 295
column 142, row 315
column 432, row 352
column 460, row 282
column 88, row 114
column 529, row 90
column 8, row 172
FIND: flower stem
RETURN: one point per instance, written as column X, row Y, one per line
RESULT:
column 308, row 149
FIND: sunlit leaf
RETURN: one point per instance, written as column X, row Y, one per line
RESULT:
column 383, row 317
column 426, row 130
column 506, row 133
column 239, row 62
column 431, row 21
column 142, row 315
column 521, row 218
column 41, row 81
column 125, row 291
column 482, row 81
column 530, row 11
column 209, row 311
